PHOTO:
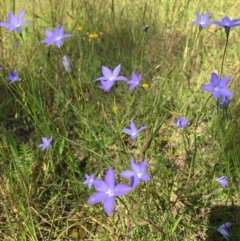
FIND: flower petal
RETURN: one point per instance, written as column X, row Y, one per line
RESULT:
column 127, row 174
column 143, row 166
column 110, row 178
column 121, row 189
column 226, row 92
column 135, row 167
column 223, row 82
column 100, row 186
column 97, row 198
column 145, row 177
column 116, row 71
column 127, row 131
column 208, row 87
column 107, row 73
column 108, row 205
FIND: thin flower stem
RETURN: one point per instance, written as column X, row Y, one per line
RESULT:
column 192, row 166
column 224, row 54
column 143, row 50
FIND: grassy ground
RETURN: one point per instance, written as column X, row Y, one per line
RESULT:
column 42, row 195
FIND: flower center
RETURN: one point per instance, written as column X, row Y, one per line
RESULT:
column 110, row 193
column 216, row 88
column 139, row 175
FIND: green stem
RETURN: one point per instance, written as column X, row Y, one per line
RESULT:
column 192, row 167
column 224, row 54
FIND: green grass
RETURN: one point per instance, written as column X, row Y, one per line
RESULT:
column 42, row 195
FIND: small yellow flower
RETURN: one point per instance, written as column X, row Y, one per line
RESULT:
column 93, row 35
column 79, row 28
column 114, row 109
column 178, row 29
column 28, row 9
column 145, row 85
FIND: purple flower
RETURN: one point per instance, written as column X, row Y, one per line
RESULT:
column 106, row 85
column 202, row 21
column 15, row 22
column 45, row 143
column 222, row 181
column 135, row 81
column 110, row 77
column 55, row 37
column 66, row 64
column 223, row 230
column 133, row 131
column 137, row 173
column 89, row 180
column 107, row 191
column 181, row 123
column 217, row 86
column 225, row 103
column 13, row 77
column 227, row 23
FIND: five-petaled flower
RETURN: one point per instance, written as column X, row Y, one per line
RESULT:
column 218, row 87
column 55, row 37
column 137, row 173
column 110, row 77
column 222, row 181
column 225, row 103
column 107, row 191
column 227, row 24
column 133, row 131
column 12, row 77
column 181, row 123
column 15, row 22
column 223, row 230
column 45, row 143
column 135, row 81
column 89, row 180
column 202, row 21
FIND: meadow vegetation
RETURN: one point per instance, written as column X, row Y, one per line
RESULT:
column 42, row 192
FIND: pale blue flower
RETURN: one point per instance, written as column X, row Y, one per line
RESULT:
column 13, row 77
column 89, row 180
column 55, row 37
column 45, row 143
column 223, row 230
column 15, row 22
column 137, row 174
column 133, row 131
column 107, row 191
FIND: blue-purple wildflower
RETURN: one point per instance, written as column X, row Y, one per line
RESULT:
column 45, row 143
column 137, row 174
column 227, row 23
column 110, row 77
column 15, row 22
column 135, row 81
column 13, row 77
column 181, row 123
column 55, row 37
column 223, row 229
column 202, row 21
column 222, row 181
column 89, row 180
column 225, row 102
column 107, row 191
column 133, row 131
column 218, row 87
